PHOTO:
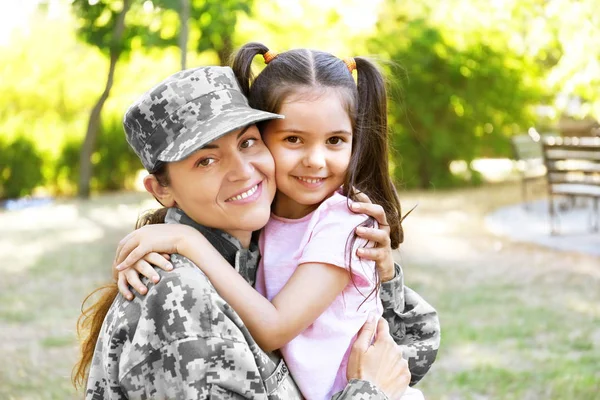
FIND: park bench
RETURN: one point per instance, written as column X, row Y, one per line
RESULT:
column 573, row 170
column 527, row 150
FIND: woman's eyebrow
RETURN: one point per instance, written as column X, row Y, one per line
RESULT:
column 214, row 146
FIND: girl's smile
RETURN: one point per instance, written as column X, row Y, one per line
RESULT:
column 311, row 148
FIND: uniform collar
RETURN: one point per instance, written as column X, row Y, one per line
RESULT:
column 245, row 261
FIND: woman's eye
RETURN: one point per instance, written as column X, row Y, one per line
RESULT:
column 205, row 162
column 292, row 139
column 334, row 140
column 247, row 143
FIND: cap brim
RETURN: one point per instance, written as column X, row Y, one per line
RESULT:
column 205, row 132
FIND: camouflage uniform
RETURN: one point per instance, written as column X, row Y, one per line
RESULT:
column 183, row 341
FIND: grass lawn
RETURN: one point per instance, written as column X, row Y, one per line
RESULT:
column 518, row 321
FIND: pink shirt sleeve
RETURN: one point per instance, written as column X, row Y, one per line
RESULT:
column 331, row 238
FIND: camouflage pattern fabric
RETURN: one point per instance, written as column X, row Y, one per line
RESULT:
column 182, row 341
column 186, row 111
column 414, row 325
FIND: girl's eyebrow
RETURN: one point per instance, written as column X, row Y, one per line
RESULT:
column 293, row 130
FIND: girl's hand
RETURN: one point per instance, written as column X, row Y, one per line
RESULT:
column 380, row 363
column 382, row 252
column 139, row 250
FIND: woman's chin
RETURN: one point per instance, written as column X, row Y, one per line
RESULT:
column 256, row 221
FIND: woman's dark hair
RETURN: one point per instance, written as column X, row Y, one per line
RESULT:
column 90, row 321
column 365, row 101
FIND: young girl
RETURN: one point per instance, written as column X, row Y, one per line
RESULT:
column 332, row 142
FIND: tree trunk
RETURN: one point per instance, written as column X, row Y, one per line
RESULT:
column 224, row 52
column 89, row 144
column 184, row 17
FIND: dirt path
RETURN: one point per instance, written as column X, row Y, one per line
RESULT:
column 519, row 321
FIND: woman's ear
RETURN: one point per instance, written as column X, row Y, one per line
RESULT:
column 161, row 193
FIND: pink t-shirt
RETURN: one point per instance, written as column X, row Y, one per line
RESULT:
column 317, row 358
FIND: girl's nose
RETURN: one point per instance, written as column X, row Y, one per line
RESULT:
column 314, row 158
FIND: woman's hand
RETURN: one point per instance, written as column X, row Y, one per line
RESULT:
column 139, row 250
column 382, row 252
column 380, row 363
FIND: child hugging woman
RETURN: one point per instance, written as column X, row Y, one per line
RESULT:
column 313, row 292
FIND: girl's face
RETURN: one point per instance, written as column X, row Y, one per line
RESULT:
column 311, row 148
column 228, row 184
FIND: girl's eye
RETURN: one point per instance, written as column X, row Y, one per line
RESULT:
column 292, row 139
column 205, row 162
column 247, row 143
column 335, row 140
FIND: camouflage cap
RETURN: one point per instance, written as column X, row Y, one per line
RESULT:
column 185, row 112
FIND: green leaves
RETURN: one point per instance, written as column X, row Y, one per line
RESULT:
column 459, row 100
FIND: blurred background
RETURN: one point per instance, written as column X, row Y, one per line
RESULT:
column 520, row 320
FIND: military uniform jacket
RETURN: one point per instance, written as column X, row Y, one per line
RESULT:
column 183, row 341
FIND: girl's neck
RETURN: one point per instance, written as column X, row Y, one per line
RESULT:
column 285, row 207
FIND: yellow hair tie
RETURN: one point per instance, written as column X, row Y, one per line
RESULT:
column 269, row 56
column 350, row 63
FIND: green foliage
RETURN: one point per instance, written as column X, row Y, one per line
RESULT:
column 212, row 23
column 457, row 103
column 115, row 164
column 96, row 24
column 20, row 169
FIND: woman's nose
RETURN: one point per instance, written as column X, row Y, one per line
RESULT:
column 241, row 168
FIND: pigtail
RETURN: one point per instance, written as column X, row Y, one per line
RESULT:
column 369, row 164
column 242, row 64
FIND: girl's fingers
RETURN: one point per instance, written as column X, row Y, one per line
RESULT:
column 373, row 254
column 130, row 255
column 158, row 260
column 123, row 287
column 166, row 256
column 378, row 236
column 144, row 268
column 372, row 210
column 362, row 197
column 122, row 242
column 133, row 279
column 126, row 247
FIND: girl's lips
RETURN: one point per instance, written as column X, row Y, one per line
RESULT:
column 252, row 194
column 311, row 183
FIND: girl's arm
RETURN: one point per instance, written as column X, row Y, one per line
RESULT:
column 309, row 292
column 167, row 240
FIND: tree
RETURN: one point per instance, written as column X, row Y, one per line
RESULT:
column 113, row 26
column 184, row 31
column 458, row 101
column 102, row 25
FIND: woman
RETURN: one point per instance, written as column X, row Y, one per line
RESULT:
column 181, row 340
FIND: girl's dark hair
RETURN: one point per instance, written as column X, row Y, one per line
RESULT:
column 366, row 103
column 297, row 71
column 90, row 321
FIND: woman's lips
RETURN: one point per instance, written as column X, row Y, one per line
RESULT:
column 247, row 196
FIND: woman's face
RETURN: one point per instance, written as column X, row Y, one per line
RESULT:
column 228, row 184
